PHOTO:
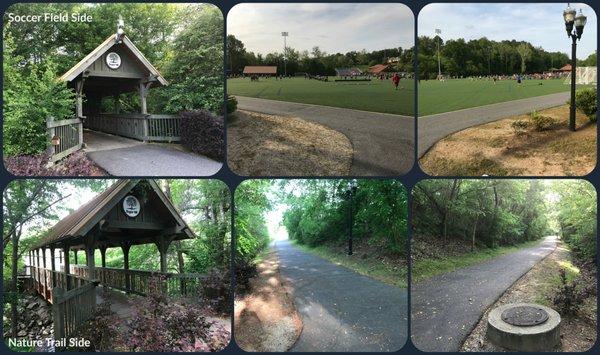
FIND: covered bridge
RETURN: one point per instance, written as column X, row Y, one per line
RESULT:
column 128, row 213
column 113, row 68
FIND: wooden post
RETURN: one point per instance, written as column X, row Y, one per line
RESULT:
column 162, row 244
column 143, row 90
column 67, row 268
column 79, row 96
column 75, row 254
column 45, row 273
column 30, row 264
column 57, row 314
column 126, row 246
column 89, row 259
column 51, row 132
column 53, row 266
column 117, row 104
column 103, row 257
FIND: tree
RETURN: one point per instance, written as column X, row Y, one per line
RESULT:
column 525, row 51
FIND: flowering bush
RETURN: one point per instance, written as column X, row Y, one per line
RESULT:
column 203, row 133
column 77, row 164
column 160, row 324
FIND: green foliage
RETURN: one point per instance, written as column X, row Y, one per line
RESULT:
column 321, row 213
column 316, row 61
column 231, row 104
column 576, row 216
column 586, row 101
column 195, row 69
column 482, row 213
column 251, row 203
column 541, row 122
column 482, row 56
column 520, row 126
column 30, row 97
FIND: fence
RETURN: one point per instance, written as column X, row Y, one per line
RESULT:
column 140, row 281
column 71, row 309
column 160, row 128
column 66, row 137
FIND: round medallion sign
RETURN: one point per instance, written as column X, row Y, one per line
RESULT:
column 131, row 206
column 113, row 60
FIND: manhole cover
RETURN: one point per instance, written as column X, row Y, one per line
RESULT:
column 524, row 316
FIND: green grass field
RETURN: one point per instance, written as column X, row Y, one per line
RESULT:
column 437, row 97
column 375, row 96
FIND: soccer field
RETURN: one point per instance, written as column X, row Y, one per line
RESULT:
column 437, row 97
column 375, row 96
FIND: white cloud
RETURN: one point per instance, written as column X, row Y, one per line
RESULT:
column 332, row 27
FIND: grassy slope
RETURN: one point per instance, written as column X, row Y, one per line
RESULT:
column 437, row 97
column 427, row 268
column 375, row 96
column 369, row 266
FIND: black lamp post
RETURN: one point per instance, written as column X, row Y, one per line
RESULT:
column 350, row 192
column 572, row 19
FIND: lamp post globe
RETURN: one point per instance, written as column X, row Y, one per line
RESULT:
column 580, row 21
column 569, row 16
column 572, row 19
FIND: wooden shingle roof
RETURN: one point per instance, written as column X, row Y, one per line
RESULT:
column 83, row 64
column 82, row 220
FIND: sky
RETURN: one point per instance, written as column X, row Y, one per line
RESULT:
column 333, row 27
column 540, row 24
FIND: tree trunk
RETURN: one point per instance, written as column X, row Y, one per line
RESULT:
column 15, row 264
column 474, row 232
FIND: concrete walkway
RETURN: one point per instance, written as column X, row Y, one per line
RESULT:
column 342, row 310
column 446, row 308
column 383, row 143
column 432, row 128
column 121, row 156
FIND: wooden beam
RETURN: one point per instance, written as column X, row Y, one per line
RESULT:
column 133, row 225
column 125, row 246
column 67, row 285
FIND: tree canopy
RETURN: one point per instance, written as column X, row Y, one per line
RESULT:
column 484, row 57
column 491, row 213
column 315, row 61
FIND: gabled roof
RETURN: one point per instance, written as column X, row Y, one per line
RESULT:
column 378, row 68
column 82, row 220
column 103, row 48
column 260, row 69
column 567, row 67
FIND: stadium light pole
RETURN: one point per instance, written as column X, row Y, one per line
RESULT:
column 572, row 19
column 284, row 35
column 438, row 32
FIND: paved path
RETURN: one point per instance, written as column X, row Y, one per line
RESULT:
column 435, row 127
column 121, row 156
column 340, row 309
column 383, row 143
column 446, row 308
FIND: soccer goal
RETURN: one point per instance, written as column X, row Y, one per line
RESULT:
column 584, row 76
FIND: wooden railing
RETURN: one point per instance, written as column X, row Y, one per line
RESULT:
column 73, row 298
column 140, row 281
column 71, row 309
column 164, row 128
column 66, row 137
column 143, row 127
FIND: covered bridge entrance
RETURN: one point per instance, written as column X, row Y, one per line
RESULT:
column 114, row 68
column 128, row 213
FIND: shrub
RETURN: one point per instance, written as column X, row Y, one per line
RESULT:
column 586, row 101
column 102, row 330
column 77, row 164
column 203, row 133
column 215, row 290
column 244, row 270
column 541, row 122
column 571, row 294
column 231, row 104
column 163, row 324
column 520, row 126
